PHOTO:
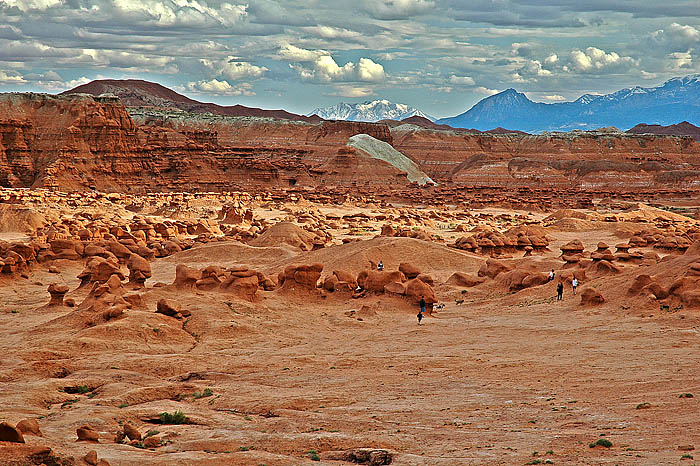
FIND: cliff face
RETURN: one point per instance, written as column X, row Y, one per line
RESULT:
column 78, row 141
column 588, row 160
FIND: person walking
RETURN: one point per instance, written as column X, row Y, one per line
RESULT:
column 420, row 317
column 560, row 291
column 422, row 304
column 551, row 276
column 574, row 284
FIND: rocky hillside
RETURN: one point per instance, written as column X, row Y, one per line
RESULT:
column 138, row 93
column 681, row 129
column 78, row 142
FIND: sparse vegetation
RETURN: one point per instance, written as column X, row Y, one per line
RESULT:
column 203, row 394
column 176, row 417
column 644, row 406
column 603, row 442
column 65, row 404
column 687, row 456
column 124, row 405
column 313, row 455
column 151, row 433
column 686, row 395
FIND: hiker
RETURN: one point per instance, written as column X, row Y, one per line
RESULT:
column 422, row 304
column 380, row 266
column 560, row 291
column 551, row 276
column 420, row 317
column 574, row 284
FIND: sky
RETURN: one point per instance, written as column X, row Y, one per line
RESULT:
column 440, row 56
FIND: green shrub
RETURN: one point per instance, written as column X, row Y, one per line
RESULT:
column 603, row 442
column 205, row 393
column 177, row 417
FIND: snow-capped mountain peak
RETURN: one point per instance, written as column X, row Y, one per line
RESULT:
column 369, row 111
column 675, row 100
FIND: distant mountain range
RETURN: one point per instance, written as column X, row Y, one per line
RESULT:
column 369, row 111
column 138, row 93
column 678, row 99
column 659, row 108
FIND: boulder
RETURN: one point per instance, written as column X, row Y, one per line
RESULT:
column 139, row 269
column 572, row 247
column 304, row 276
column 535, row 279
column 152, row 442
column 87, row 434
column 29, row 427
column 591, row 297
column 411, row 271
column 492, row 268
column 9, row 433
column 387, row 230
column 244, row 287
column 464, row 279
column 91, row 458
column 168, row 308
column 415, row 289
column 131, row 432
column 99, row 269
column 57, row 293
column 375, row 281
column 186, row 277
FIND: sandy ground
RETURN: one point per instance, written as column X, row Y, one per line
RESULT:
column 502, row 379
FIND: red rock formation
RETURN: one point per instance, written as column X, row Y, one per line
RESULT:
column 78, row 141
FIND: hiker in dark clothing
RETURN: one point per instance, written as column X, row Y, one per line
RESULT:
column 420, row 317
column 560, row 291
column 422, row 304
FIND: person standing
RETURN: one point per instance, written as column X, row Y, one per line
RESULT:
column 574, row 284
column 420, row 317
column 551, row 276
column 560, row 291
column 422, row 304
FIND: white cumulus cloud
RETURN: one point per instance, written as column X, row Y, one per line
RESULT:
column 217, row 87
column 486, row 91
column 676, row 37
column 594, row 59
column 233, row 69
column 325, row 69
column 189, row 13
column 461, row 80
column 11, row 77
column 293, row 53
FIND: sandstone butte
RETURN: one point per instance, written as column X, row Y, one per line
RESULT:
column 79, row 142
